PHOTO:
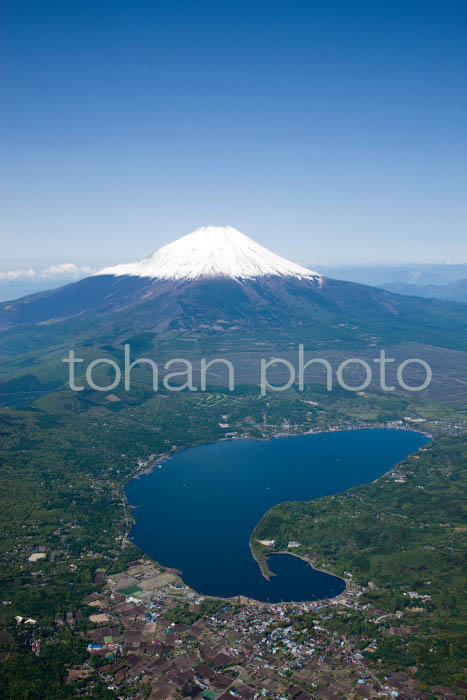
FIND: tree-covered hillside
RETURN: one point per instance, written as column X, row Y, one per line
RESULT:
column 403, row 539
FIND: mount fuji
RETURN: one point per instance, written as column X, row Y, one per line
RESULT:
column 217, row 282
column 208, row 252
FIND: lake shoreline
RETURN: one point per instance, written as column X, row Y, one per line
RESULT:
column 263, row 563
column 258, row 558
column 265, row 571
column 371, row 426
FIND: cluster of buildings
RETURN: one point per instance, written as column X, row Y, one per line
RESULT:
column 152, row 636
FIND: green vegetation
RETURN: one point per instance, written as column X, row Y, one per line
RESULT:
column 25, row 676
column 64, row 460
column 403, row 539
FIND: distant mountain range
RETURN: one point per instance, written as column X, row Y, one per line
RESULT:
column 440, row 281
column 454, row 291
column 419, row 274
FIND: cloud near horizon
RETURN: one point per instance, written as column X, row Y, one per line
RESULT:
column 60, row 271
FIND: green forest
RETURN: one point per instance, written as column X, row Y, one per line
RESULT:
column 404, row 534
column 64, row 461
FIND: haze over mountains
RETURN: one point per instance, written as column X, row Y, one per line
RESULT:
column 435, row 280
column 454, row 291
column 378, row 275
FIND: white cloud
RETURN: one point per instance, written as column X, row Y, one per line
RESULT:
column 67, row 270
column 63, row 271
column 17, row 274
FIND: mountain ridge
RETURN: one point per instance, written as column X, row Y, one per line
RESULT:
column 454, row 291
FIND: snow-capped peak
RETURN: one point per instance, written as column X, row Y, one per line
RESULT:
column 211, row 251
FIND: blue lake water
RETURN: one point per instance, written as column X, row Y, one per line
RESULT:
column 197, row 512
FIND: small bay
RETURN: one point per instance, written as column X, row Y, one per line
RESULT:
column 196, row 511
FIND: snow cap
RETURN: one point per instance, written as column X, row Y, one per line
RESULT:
column 211, row 251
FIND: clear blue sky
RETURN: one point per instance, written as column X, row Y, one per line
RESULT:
column 329, row 131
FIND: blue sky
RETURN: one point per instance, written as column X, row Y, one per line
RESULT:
column 329, row 131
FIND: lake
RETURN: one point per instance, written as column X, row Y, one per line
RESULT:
column 197, row 511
